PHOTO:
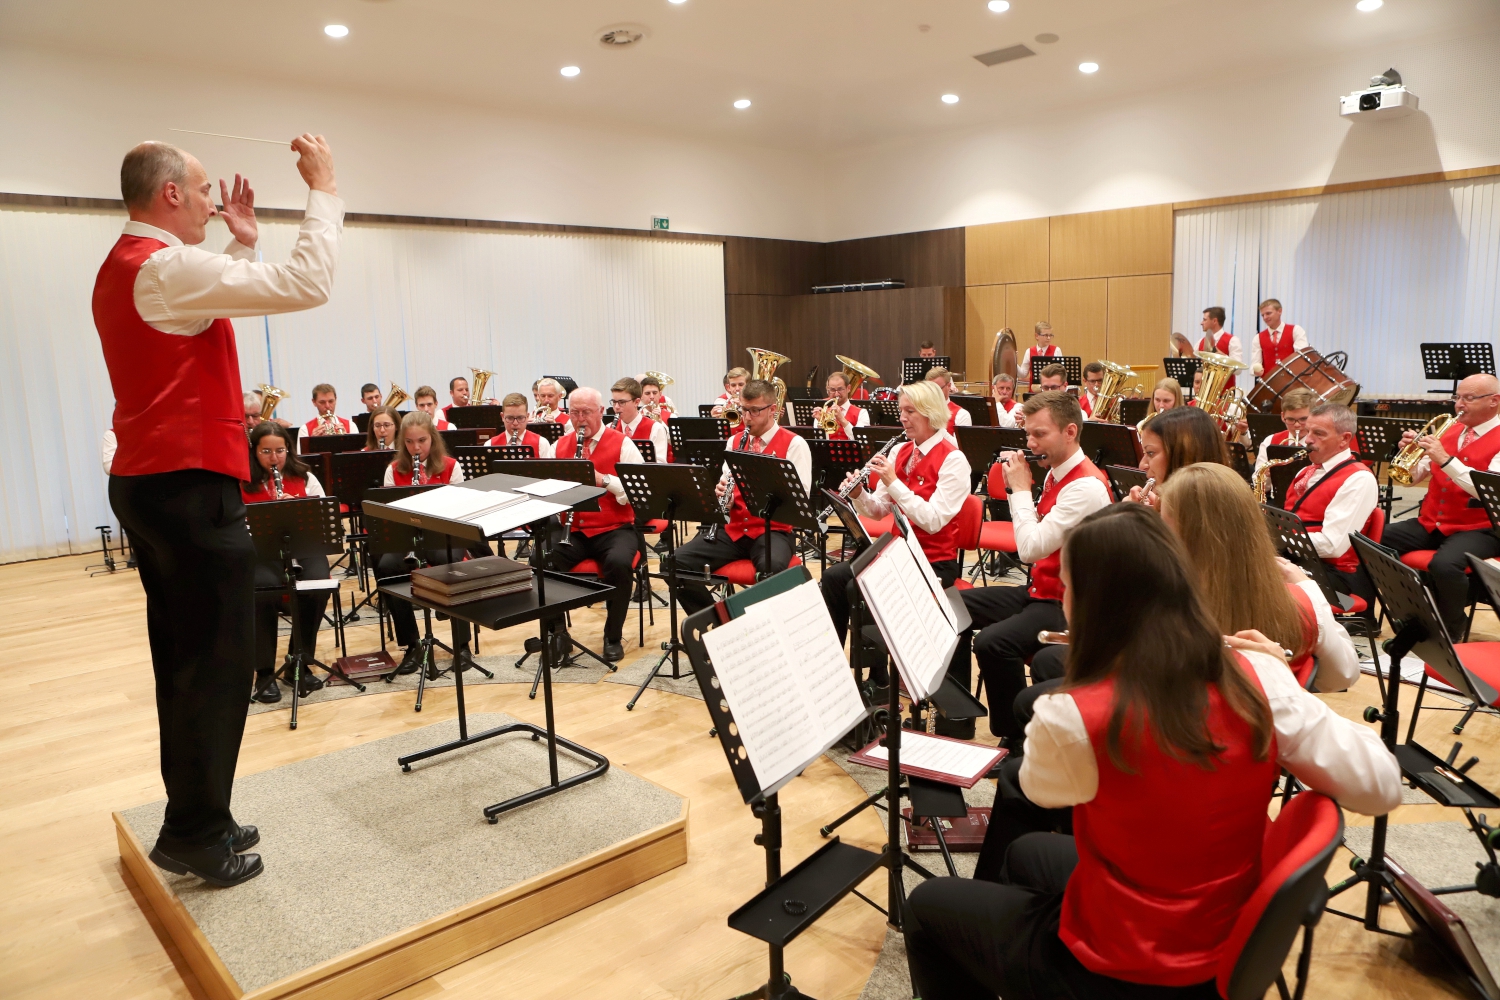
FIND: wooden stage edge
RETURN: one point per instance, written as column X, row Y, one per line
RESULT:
column 382, row 967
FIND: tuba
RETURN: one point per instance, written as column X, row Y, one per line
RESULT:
column 763, row 365
column 1217, row 396
column 269, row 397
column 481, row 379
column 396, row 396
column 1404, row 465
column 1113, row 390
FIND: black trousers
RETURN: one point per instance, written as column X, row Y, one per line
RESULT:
column 392, row 565
column 1048, row 665
column 1013, row 816
column 1448, row 570
column 1006, row 623
column 1357, row 583
column 713, row 553
column 311, row 605
column 838, row 576
column 615, row 552
column 968, row 939
column 197, row 566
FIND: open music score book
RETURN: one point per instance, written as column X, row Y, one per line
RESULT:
column 938, row 758
column 907, row 602
column 787, row 682
column 492, row 511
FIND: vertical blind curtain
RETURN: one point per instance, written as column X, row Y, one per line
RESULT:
column 1374, row 273
column 411, row 305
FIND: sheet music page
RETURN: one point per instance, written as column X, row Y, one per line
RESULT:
column 810, row 642
column 915, row 630
column 920, row 558
column 766, row 696
column 960, row 760
column 457, row 503
column 546, row 487
column 515, row 515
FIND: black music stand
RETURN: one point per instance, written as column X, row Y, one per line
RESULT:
column 646, row 448
column 549, row 429
column 802, row 410
column 670, row 493
column 1377, row 440
column 476, row 416
column 884, row 412
column 807, row 432
column 1123, row 477
column 566, row 381
column 1072, row 364
column 705, row 452
column 770, row 486
column 872, row 439
column 332, row 443
column 1456, row 362
column 680, row 429
column 980, row 445
column 1291, row 539
column 1133, row 411
column 284, row 530
column 916, row 369
column 1109, row 444
column 1182, row 369
column 464, row 437
column 977, row 407
column 1262, row 426
column 706, row 410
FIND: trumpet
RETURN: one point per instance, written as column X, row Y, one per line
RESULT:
column 396, row 396
column 1404, row 465
column 847, row 490
column 731, row 413
column 269, row 397
column 328, row 424
column 1052, row 638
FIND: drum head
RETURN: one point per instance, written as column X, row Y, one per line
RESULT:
column 1304, row 370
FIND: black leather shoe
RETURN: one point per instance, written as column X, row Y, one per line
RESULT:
column 613, row 651
column 244, row 838
column 307, row 684
column 267, row 691
column 411, row 660
column 217, row 866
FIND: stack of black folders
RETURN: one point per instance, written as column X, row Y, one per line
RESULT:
column 470, row 580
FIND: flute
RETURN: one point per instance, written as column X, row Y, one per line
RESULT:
column 1052, row 638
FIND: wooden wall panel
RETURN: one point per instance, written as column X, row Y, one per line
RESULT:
column 770, row 267
column 1140, row 319
column 1025, row 304
column 934, row 257
column 1007, row 252
column 984, row 315
column 1124, row 241
column 1080, row 317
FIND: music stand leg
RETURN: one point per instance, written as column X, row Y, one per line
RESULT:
column 672, row 647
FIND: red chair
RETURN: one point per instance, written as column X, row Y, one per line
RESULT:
column 1421, row 559
column 875, row 527
column 591, row 568
column 741, row 572
column 1295, row 854
column 970, row 526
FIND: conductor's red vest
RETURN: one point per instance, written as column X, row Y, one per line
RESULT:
column 1046, row 574
column 605, row 456
column 1311, row 505
column 741, row 522
column 1446, row 507
column 1168, row 854
column 400, row 478
column 177, row 398
column 923, row 480
column 1274, row 352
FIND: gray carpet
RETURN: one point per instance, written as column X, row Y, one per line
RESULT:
column 356, row 849
column 635, row 671
column 1442, row 854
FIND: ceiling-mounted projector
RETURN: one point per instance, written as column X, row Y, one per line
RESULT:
column 1386, row 98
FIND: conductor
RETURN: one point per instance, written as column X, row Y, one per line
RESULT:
column 162, row 307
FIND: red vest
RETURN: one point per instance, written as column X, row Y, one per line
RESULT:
column 1446, row 508
column 1009, row 405
column 605, row 456
column 400, row 478
column 291, row 486
column 923, row 481
column 1310, row 505
column 1302, row 666
column 1084, row 404
column 1221, row 345
column 177, row 398
column 1273, row 353
column 311, row 428
column 1281, row 438
column 642, row 431
column 841, row 434
column 953, row 409
column 1167, row 855
column 531, row 438
column 1046, row 574
column 741, row 522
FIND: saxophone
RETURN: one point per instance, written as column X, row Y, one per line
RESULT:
column 1261, row 481
column 276, row 482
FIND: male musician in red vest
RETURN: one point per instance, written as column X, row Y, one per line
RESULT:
column 1296, row 409
column 326, row 399
column 161, row 306
column 516, row 412
column 745, row 536
column 1215, row 338
column 1054, row 379
column 549, row 396
column 625, row 396
column 1093, row 381
column 1452, row 520
column 369, row 394
column 458, row 395
column 1007, row 619
column 1276, row 342
column 425, row 399
column 850, row 416
column 1007, row 406
column 927, row 349
column 734, row 382
column 927, row 479
column 1335, row 496
column 607, row 535
column 957, row 415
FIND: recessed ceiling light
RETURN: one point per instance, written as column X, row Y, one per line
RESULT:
column 950, row 98
column 742, row 103
column 676, row 1
column 1369, row 5
column 335, row 30
column 570, row 71
column 999, row 6
column 1088, row 67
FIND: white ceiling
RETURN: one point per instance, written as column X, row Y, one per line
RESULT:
column 822, row 74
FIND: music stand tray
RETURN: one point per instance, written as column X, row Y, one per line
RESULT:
column 1109, row 444
column 1133, row 411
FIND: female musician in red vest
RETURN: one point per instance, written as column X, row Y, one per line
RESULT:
column 927, row 479
column 516, row 414
column 625, row 396
column 421, row 457
column 1167, row 746
column 162, row 307
column 277, row 474
column 1276, row 342
column 1452, row 520
column 380, row 432
column 1175, row 440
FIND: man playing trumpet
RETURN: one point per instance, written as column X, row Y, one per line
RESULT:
column 549, row 396
column 846, row 414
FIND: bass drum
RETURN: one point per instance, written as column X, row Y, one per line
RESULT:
column 1304, row 370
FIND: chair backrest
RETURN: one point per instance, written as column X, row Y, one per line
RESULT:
column 1295, row 854
column 970, row 519
column 994, row 481
column 1375, row 526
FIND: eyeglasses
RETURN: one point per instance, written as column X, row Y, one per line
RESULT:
column 1474, row 398
column 756, row 411
column 271, row 451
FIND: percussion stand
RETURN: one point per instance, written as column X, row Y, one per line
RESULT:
column 108, row 565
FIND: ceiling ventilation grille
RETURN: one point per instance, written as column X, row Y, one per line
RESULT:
column 620, row 37
column 1004, row 55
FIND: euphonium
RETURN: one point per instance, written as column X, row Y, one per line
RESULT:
column 481, row 378
column 661, row 377
column 855, row 373
column 396, row 396
column 763, row 365
column 1113, row 390
column 269, row 397
column 1217, row 396
column 1404, row 465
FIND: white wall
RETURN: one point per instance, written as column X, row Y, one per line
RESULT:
column 66, row 122
column 1216, row 140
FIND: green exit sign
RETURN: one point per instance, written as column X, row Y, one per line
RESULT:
column 660, row 222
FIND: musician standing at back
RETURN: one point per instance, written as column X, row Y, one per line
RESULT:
column 1043, row 349
column 1276, row 342
column 850, row 416
column 1215, row 338
column 1296, row 408
column 161, row 306
column 1007, row 407
column 1452, row 520
column 425, row 399
column 927, row 349
column 957, row 415
column 326, row 398
column 927, row 479
column 516, row 415
column 745, row 537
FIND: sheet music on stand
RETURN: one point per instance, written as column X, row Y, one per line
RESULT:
column 918, row 622
column 916, row 369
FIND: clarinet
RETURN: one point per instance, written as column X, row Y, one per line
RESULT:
column 276, row 481
column 847, row 490
column 418, row 473
column 727, row 500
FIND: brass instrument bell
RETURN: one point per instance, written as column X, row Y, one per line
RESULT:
column 269, row 397
column 1113, row 390
column 481, row 378
column 396, row 396
column 661, row 377
column 763, row 365
column 1218, row 396
column 855, row 373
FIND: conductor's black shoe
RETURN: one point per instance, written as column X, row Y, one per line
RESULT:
column 244, row 838
column 267, row 691
column 411, row 660
column 613, row 651
column 217, row 866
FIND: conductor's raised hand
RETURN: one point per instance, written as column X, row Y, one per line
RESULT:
column 315, row 163
column 239, row 211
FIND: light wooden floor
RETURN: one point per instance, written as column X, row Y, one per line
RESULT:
column 79, row 739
